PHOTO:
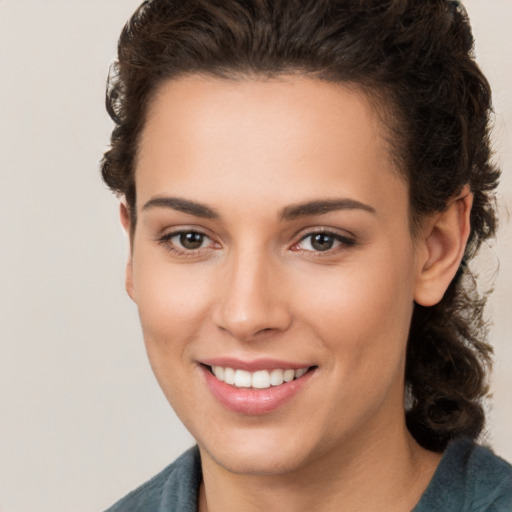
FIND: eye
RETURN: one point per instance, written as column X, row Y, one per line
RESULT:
column 323, row 242
column 190, row 240
column 186, row 241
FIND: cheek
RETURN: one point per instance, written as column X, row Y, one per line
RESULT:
column 172, row 306
column 362, row 312
column 362, row 319
column 173, row 303
column 169, row 297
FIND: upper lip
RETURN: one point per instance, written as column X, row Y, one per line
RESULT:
column 254, row 365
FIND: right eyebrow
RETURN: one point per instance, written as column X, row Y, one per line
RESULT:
column 323, row 206
column 182, row 205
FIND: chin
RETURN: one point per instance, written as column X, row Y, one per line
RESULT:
column 265, row 454
column 255, row 462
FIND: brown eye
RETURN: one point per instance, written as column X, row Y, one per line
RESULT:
column 185, row 241
column 191, row 240
column 322, row 242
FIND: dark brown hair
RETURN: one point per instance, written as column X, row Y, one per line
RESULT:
column 415, row 58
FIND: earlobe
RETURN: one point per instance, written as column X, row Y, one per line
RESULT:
column 124, row 214
column 443, row 245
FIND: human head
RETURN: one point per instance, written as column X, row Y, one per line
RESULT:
column 414, row 60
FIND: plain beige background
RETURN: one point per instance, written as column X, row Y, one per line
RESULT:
column 82, row 420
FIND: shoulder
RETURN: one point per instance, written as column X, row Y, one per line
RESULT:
column 174, row 488
column 490, row 479
column 469, row 478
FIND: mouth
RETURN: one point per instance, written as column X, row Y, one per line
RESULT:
column 256, row 387
column 261, row 379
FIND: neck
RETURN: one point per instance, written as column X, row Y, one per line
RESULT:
column 389, row 473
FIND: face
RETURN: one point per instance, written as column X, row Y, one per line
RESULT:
column 273, row 249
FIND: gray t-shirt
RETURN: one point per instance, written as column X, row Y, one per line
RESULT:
column 469, row 478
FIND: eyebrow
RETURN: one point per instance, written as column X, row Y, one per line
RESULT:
column 294, row 211
column 320, row 207
column 182, row 205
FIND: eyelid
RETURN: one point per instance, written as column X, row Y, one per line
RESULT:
column 322, row 228
column 170, row 231
column 345, row 238
column 164, row 240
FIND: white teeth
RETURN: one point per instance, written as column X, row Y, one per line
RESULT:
column 218, row 371
column 243, row 379
column 229, row 376
column 261, row 379
column 300, row 373
column 276, row 377
column 288, row 375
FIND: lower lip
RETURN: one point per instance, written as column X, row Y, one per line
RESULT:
column 254, row 401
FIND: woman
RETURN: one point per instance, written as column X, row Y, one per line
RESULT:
column 304, row 183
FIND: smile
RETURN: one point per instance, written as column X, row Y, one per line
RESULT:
column 257, row 387
column 261, row 379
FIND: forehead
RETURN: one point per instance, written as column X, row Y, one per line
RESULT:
column 293, row 134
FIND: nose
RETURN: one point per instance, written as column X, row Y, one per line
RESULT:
column 253, row 302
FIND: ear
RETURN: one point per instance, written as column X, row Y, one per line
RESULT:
column 124, row 213
column 443, row 243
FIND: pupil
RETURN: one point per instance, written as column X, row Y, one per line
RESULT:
column 322, row 242
column 191, row 240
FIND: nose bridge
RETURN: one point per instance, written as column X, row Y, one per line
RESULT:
column 251, row 297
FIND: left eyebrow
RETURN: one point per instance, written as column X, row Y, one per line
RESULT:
column 182, row 205
column 322, row 206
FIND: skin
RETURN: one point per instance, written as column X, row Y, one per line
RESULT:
column 249, row 149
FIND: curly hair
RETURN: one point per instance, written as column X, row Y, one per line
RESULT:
column 415, row 59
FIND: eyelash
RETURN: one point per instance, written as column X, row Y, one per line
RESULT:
column 165, row 240
column 343, row 241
